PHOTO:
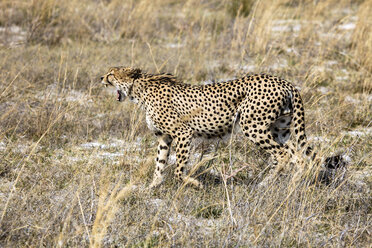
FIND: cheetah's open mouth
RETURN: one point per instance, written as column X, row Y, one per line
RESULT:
column 120, row 96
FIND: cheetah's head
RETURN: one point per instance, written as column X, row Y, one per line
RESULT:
column 122, row 79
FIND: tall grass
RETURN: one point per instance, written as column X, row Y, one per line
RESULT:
column 75, row 164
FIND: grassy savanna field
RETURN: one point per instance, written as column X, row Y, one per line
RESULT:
column 75, row 163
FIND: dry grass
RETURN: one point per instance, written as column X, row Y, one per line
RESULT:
column 74, row 164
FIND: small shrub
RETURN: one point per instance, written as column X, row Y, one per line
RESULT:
column 240, row 7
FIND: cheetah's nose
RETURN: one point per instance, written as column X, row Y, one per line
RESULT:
column 101, row 78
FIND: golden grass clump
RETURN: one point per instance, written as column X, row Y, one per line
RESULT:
column 362, row 38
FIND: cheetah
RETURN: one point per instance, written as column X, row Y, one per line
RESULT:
column 264, row 107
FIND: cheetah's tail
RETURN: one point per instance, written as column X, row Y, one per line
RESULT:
column 299, row 122
column 330, row 163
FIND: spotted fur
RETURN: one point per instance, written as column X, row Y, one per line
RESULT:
column 264, row 106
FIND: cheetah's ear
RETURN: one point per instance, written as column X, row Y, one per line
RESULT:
column 135, row 73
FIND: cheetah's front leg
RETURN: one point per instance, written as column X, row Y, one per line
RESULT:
column 183, row 145
column 161, row 159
